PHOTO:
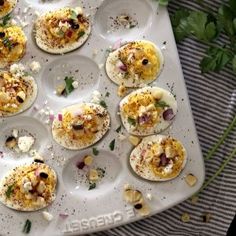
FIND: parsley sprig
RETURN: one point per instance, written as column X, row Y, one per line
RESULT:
column 207, row 26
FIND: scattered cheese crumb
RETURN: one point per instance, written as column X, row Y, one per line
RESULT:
column 47, row 216
column 15, row 133
column 25, row 143
column 35, row 66
column 75, row 84
column 149, row 196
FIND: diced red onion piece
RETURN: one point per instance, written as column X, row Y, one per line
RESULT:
column 60, row 117
column 36, row 172
column 164, row 159
column 143, row 119
column 63, row 215
column 168, row 114
column 51, row 117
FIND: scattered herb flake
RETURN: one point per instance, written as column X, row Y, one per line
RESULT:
column 5, row 20
column 161, row 104
column 95, row 151
column 10, row 190
column 118, row 129
column 131, row 121
column 112, row 145
column 27, row 227
column 103, row 104
column 81, row 33
column 69, row 87
column 107, row 94
column 7, row 43
column 92, row 186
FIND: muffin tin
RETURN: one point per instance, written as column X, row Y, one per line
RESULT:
column 102, row 207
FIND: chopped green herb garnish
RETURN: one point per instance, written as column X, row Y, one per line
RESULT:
column 92, row 186
column 10, row 190
column 5, row 20
column 132, row 26
column 131, row 121
column 107, row 94
column 95, row 151
column 69, row 87
column 103, row 104
column 27, row 227
column 101, row 172
column 73, row 15
column 7, row 43
column 81, row 33
column 112, row 145
column 118, row 129
column 161, row 104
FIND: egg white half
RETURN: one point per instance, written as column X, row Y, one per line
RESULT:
column 120, row 78
column 158, row 127
column 141, row 164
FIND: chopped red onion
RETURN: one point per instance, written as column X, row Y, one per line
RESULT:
column 121, row 66
column 164, row 159
column 36, row 172
column 60, row 117
column 144, row 119
column 51, row 117
column 63, row 215
column 168, row 114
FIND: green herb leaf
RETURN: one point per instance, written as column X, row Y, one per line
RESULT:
column 234, row 63
column 10, row 190
column 103, row 104
column 92, row 186
column 200, row 27
column 5, row 20
column 118, row 129
column 131, row 121
column 112, row 145
column 73, row 15
column 69, row 87
column 7, row 43
column 163, row 2
column 27, row 227
column 180, row 24
column 107, row 94
column 161, row 104
column 95, row 151
column 214, row 60
column 80, row 34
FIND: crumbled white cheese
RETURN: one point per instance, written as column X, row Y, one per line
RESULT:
column 78, row 10
column 27, row 187
column 168, row 168
column 96, row 97
column 25, row 143
column 17, row 69
column 47, row 216
column 41, row 187
column 75, row 84
column 13, row 22
column 35, row 66
column 149, row 196
column 64, row 25
column 163, row 47
column 100, row 66
column 15, row 133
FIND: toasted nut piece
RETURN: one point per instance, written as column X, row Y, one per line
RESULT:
column 134, row 140
column 194, row 199
column 121, row 91
column 157, row 94
column 191, row 180
column 170, row 152
column 144, row 210
column 60, row 89
column 4, row 97
column 20, row 97
column 88, row 160
column 93, row 175
column 132, row 196
column 206, row 217
column 185, row 217
column 11, row 142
